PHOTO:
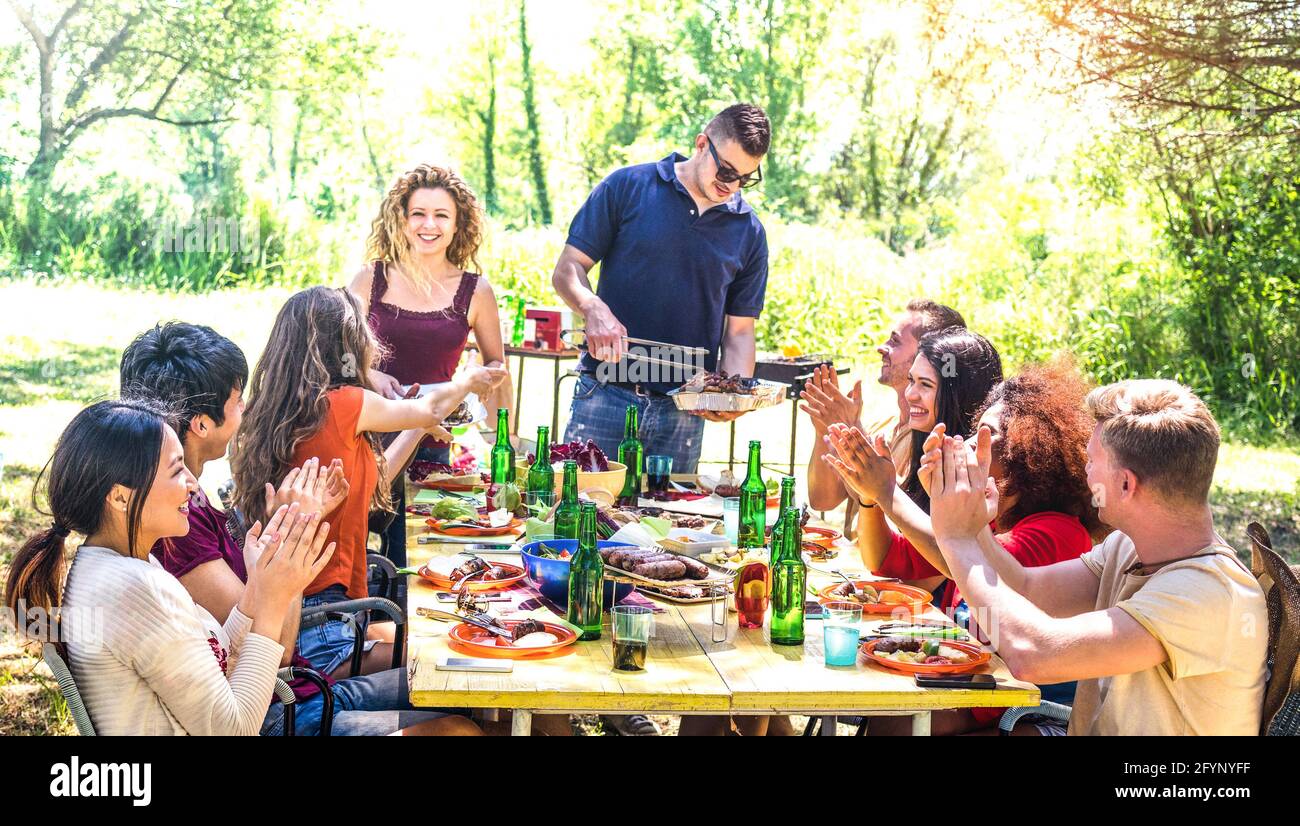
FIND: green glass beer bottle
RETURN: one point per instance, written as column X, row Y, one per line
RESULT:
column 541, row 477
column 789, row 579
column 631, row 453
column 787, row 501
column 752, row 528
column 566, row 515
column 503, row 454
column 586, row 578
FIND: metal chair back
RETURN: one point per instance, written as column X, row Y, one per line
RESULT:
column 54, row 659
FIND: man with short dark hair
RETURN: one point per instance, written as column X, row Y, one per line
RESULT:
column 199, row 373
column 826, row 404
column 683, row 261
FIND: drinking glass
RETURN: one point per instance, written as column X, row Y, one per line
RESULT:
column 632, row 625
column 731, row 519
column 841, row 626
column 753, row 585
column 542, row 500
column 658, row 469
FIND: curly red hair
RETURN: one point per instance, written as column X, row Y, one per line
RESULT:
column 1044, row 444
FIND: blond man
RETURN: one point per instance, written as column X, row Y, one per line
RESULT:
column 1161, row 624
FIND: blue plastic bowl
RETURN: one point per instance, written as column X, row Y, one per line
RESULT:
column 551, row 576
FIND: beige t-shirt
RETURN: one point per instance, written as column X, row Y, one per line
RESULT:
column 1210, row 616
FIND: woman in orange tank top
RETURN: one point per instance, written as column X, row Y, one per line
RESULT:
column 311, row 396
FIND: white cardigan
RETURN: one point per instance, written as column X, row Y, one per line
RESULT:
column 148, row 660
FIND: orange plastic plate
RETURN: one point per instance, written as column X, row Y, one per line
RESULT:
column 821, row 536
column 475, row 641
column 475, row 585
column 916, row 602
column 978, row 656
column 511, row 527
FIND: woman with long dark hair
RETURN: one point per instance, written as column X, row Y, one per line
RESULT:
column 146, row 658
column 311, row 396
column 952, row 374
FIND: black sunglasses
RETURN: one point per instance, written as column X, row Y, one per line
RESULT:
column 728, row 174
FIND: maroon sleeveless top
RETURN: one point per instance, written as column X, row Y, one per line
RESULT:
column 423, row 347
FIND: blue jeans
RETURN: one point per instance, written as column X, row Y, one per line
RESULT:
column 598, row 413
column 329, row 645
column 373, row 705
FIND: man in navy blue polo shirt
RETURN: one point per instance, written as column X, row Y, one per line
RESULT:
column 683, row 260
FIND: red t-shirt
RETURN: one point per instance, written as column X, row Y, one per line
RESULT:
column 349, row 524
column 209, row 540
column 1037, row 540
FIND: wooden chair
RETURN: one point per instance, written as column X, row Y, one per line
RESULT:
column 1281, row 584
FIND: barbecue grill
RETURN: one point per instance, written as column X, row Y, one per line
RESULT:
column 793, row 373
column 790, row 371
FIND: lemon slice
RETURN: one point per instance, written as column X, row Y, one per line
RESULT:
column 755, row 589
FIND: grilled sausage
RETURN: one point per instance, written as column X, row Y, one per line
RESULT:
column 525, row 627
column 630, row 558
column 694, row 568
column 617, row 558
column 665, row 570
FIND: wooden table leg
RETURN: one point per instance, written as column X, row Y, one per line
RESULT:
column 555, row 401
column 521, row 725
column 731, row 446
column 830, row 726
column 921, row 724
column 519, row 395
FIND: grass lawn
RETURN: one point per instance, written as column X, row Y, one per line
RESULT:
column 60, row 349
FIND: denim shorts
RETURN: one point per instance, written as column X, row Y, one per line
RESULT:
column 329, row 645
column 373, row 705
column 598, row 412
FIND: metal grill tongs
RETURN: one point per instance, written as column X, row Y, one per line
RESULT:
column 688, row 353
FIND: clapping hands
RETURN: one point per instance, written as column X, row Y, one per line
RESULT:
column 826, row 405
column 286, row 556
column 863, row 464
column 312, row 489
column 963, row 496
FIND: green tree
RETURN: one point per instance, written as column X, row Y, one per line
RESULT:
column 911, row 152
column 182, row 63
column 1211, row 91
column 536, row 165
column 622, row 100
column 478, row 99
column 319, row 78
column 764, row 52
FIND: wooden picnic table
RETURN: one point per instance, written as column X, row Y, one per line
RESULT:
column 686, row 673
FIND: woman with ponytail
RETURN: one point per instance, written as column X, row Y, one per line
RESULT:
column 146, row 658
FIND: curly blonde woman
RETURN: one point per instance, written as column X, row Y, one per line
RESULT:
column 422, row 294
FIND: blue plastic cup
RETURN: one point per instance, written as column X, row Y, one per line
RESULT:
column 841, row 627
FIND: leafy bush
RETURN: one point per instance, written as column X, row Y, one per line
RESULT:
column 1035, row 267
column 1242, row 260
column 114, row 231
